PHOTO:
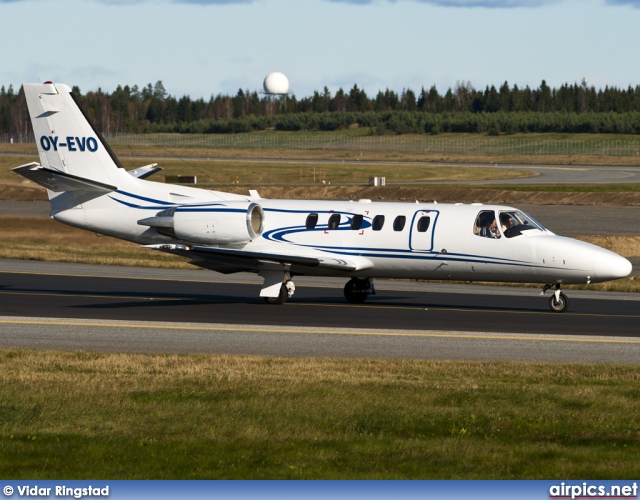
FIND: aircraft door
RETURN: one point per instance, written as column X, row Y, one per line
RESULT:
column 422, row 227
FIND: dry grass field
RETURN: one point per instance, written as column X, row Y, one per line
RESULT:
column 357, row 144
column 236, row 171
column 35, row 238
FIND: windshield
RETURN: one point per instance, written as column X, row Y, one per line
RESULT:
column 514, row 222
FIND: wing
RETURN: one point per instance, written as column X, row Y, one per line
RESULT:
column 227, row 260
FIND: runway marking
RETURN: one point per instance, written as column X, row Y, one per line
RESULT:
column 142, row 278
column 253, row 329
column 123, row 277
column 91, row 296
column 457, row 309
column 564, row 168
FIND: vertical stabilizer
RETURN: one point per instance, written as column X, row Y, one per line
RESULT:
column 66, row 140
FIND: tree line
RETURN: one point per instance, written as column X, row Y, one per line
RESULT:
column 507, row 109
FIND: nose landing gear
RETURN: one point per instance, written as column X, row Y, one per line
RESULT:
column 558, row 301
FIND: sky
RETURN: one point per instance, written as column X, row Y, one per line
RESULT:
column 207, row 47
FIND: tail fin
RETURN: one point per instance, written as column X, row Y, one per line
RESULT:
column 66, row 140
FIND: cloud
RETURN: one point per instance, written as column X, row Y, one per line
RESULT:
column 495, row 4
column 137, row 2
column 193, row 2
column 499, row 4
column 212, row 2
column 633, row 3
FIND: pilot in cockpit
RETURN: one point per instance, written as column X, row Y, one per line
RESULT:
column 506, row 221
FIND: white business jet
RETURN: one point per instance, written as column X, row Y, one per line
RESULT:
column 279, row 239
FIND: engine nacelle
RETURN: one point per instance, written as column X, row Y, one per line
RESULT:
column 229, row 223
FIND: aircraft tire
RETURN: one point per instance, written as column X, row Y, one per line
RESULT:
column 559, row 305
column 280, row 299
column 356, row 291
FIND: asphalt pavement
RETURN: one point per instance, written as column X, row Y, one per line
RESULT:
column 107, row 308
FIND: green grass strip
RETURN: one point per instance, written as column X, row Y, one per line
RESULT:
column 114, row 416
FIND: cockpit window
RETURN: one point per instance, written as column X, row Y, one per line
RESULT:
column 486, row 225
column 513, row 223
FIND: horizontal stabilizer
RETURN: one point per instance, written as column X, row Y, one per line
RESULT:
column 59, row 182
column 146, row 171
column 244, row 258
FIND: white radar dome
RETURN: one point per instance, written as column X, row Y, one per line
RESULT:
column 276, row 83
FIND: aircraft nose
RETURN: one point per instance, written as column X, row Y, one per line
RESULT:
column 611, row 266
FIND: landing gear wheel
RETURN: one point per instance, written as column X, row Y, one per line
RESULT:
column 281, row 298
column 559, row 305
column 356, row 290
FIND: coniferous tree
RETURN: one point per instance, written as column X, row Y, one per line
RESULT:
column 576, row 107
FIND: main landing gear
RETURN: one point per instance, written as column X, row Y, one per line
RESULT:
column 286, row 291
column 558, row 301
column 357, row 290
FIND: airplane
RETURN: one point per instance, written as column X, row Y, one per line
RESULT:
column 359, row 240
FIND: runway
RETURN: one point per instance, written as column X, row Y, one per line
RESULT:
column 544, row 173
column 568, row 174
column 62, row 306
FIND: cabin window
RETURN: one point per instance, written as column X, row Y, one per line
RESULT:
column 486, row 225
column 334, row 221
column 356, row 222
column 398, row 224
column 423, row 224
column 312, row 220
column 378, row 222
